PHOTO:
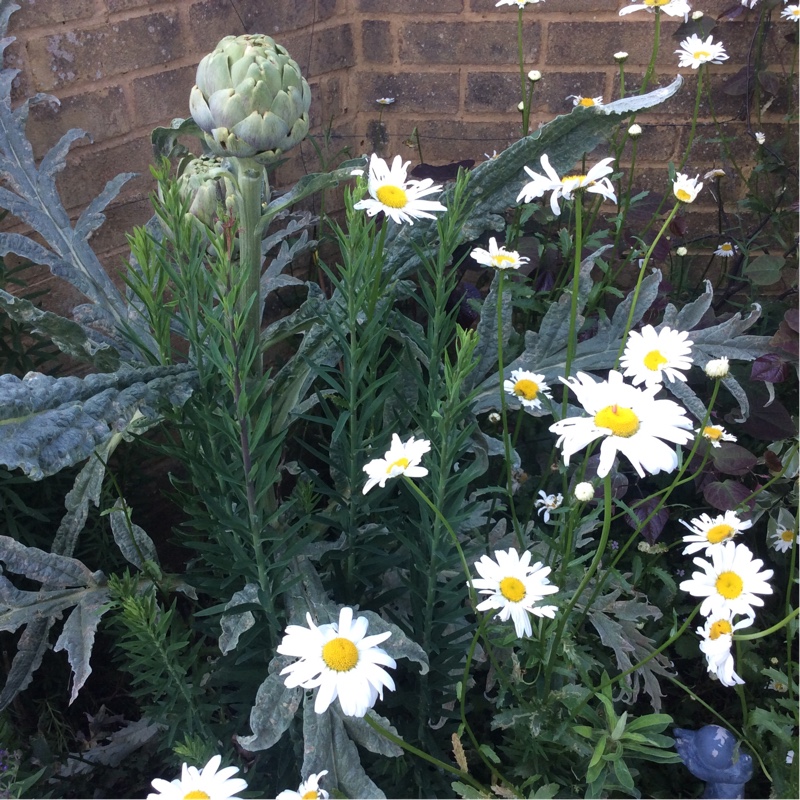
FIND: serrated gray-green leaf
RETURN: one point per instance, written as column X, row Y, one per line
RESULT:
column 133, row 542
column 77, row 636
column 31, row 648
column 19, row 608
column 48, row 568
column 234, row 625
column 361, row 732
column 299, row 321
column 398, row 645
column 273, row 710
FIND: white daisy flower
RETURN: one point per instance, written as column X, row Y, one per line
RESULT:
column 527, row 387
column 534, row 75
column 498, row 257
column 339, row 659
column 620, row 57
column 584, row 492
column 674, row 8
column 518, row 3
column 651, row 356
column 681, row 251
column 717, row 638
column 309, row 789
column 595, row 181
column 716, row 434
column 717, row 367
column 761, row 137
column 694, row 51
column 384, row 101
column 792, row 13
column 548, row 503
column 685, row 188
column 397, row 197
column 726, row 250
column 204, row 783
column 402, row 458
column 731, row 581
column 585, row 102
column 628, row 419
column 783, row 531
column 514, row 587
column 707, row 534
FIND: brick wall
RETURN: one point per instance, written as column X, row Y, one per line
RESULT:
column 122, row 67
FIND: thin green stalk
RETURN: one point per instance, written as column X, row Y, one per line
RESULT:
column 572, row 341
column 654, row 54
column 692, row 130
column 626, row 198
column 526, row 110
column 787, row 606
column 740, row 637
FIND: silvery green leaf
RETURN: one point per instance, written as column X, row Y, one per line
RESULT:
column 50, row 569
column 31, row 648
column 234, row 625
column 133, row 542
column 398, row 645
column 274, row 709
column 361, row 732
column 299, row 321
column 638, row 102
column 69, row 337
column 18, row 608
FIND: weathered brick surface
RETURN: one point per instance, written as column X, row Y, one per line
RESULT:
column 282, row 16
column 162, row 96
column 377, row 43
column 551, row 95
column 45, row 12
column 434, row 92
column 322, row 50
column 412, row 6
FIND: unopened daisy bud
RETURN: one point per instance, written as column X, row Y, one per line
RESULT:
column 534, row 75
column 760, row 137
column 494, row 418
column 718, row 367
column 681, row 251
column 714, row 173
column 635, row 130
column 520, row 106
column 697, row 15
column 584, row 492
column 621, row 57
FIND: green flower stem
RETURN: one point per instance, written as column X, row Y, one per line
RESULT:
column 694, row 116
column 621, row 79
column 526, row 103
column 589, row 574
column 713, row 711
column 654, row 55
column 787, row 606
column 739, row 689
column 741, row 637
column 572, row 341
column 636, row 291
column 409, row 748
column 504, row 410
column 626, row 198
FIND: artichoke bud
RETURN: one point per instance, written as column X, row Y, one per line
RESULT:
column 250, row 99
column 202, row 184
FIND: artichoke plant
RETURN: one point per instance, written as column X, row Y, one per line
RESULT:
column 202, row 184
column 250, row 100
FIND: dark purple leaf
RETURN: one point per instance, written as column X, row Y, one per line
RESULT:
column 652, row 530
column 734, row 12
column 726, row 495
column 731, row 459
column 770, row 82
column 739, row 83
column 770, row 423
column 785, row 339
column 702, row 27
column 792, row 319
column 770, row 368
column 774, row 464
column 442, row 172
column 679, row 226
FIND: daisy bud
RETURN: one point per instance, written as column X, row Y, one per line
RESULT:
column 635, row 131
column 717, row 368
column 584, row 492
column 681, row 251
column 621, row 57
column 534, row 75
column 697, row 15
column 760, row 137
column 494, row 418
column 520, row 106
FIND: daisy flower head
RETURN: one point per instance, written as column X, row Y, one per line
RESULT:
column 635, row 130
column 714, row 173
column 205, row 783
column 673, row 8
column 761, row 137
column 514, row 587
column 707, row 534
column 518, row 3
column 498, row 257
column 309, row 789
column 621, row 57
column 548, row 503
column 534, row 75
column 340, row 660
column 595, row 180
column 585, row 102
column 694, row 51
column 651, row 356
column 716, row 434
column 717, row 367
column 385, row 101
column 685, row 188
column 726, row 250
column 528, row 387
column 716, row 639
column 731, row 581
column 629, row 420
column 783, row 531
column 402, row 458
column 399, row 198
column 791, row 13
column 584, row 492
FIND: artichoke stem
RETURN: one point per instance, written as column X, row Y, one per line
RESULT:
column 251, row 179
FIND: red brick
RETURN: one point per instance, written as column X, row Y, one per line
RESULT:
column 551, row 94
column 414, row 92
column 163, row 96
column 210, row 21
column 445, row 141
column 126, row 5
column 377, row 45
column 581, row 6
column 326, row 102
column 323, row 50
column 280, row 16
column 412, row 6
column 96, row 53
column 35, row 13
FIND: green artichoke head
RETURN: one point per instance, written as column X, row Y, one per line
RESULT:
column 250, row 99
column 202, row 183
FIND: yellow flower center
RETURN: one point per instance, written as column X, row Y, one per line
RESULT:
column 401, row 462
column 787, row 536
column 729, row 585
column 652, row 3
column 719, row 533
column 392, row 196
column 620, row 421
column 683, row 196
column 340, row 654
column 502, row 258
column 197, row 794
column 526, row 389
column 586, row 102
column 654, row 359
column 698, row 54
column 512, row 589
column 712, row 432
column 573, row 180
column 310, row 796
column 726, row 248
column 719, row 628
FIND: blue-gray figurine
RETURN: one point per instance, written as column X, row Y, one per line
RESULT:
column 709, row 755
